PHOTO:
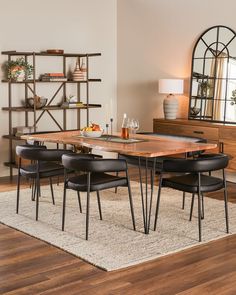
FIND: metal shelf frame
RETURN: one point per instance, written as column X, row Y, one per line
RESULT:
column 31, row 87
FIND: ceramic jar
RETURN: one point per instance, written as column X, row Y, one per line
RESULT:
column 80, row 72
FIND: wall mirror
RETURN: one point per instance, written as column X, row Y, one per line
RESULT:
column 213, row 77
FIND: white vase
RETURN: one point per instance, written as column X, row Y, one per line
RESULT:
column 78, row 74
column 21, row 76
column 17, row 74
column 170, row 107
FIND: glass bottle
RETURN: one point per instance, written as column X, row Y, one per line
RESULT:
column 125, row 127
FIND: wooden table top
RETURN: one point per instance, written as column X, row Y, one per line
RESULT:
column 154, row 146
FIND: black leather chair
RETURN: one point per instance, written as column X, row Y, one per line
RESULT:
column 45, row 164
column 193, row 180
column 95, row 177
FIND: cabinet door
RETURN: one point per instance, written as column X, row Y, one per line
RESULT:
column 209, row 133
column 228, row 138
column 230, row 150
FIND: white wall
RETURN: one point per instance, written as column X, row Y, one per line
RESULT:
column 155, row 40
column 73, row 25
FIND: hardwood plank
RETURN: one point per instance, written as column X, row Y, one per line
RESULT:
column 224, row 285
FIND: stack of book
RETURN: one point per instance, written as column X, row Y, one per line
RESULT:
column 53, row 77
column 75, row 105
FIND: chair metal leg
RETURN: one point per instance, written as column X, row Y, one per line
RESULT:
column 32, row 189
column 53, row 200
column 88, row 205
column 39, row 188
column 116, row 188
column 199, row 208
column 37, row 196
column 18, row 187
column 226, row 203
column 158, row 201
column 99, row 205
column 191, row 210
column 64, row 207
column 203, row 211
column 79, row 201
column 131, row 202
column 183, row 201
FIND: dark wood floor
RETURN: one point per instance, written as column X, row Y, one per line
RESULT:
column 30, row 266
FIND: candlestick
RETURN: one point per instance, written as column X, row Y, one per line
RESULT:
column 111, row 120
column 106, row 113
column 107, row 126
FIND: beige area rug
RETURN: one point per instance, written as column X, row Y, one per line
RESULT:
column 112, row 243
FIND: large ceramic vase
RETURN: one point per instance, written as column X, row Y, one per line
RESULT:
column 170, row 107
column 80, row 72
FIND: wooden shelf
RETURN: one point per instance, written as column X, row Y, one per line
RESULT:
column 10, row 164
column 13, row 137
column 28, row 53
column 39, row 81
column 60, row 88
column 51, row 108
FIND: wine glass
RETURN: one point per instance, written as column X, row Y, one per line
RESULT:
column 135, row 125
column 131, row 124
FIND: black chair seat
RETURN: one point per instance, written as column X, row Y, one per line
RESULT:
column 99, row 181
column 46, row 169
column 96, row 176
column 193, row 180
column 189, row 183
column 45, row 164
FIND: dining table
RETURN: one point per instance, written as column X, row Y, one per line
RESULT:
column 147, row 148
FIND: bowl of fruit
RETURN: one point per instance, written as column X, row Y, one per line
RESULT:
column 94, row 130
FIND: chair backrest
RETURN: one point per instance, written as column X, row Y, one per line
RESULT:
column 87, row 163
column 40, row 153
column 202, row 164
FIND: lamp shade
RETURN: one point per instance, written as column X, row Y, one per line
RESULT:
column 171, row 86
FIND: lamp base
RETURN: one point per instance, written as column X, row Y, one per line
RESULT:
column 170, row 107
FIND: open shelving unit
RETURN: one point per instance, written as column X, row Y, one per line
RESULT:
column 30, row 89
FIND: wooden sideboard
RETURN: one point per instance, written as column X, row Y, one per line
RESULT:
column 222, row 134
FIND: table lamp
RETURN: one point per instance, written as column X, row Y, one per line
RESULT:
column 170, row 103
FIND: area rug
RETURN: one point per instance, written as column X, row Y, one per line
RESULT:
column 112, row 242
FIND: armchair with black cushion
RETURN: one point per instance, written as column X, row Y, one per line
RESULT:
column 195, row 180
column 96, row 176
column 46, row 163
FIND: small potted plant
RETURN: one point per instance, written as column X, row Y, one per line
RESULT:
column 233, row 97
column 19, row 69
column 204, row 88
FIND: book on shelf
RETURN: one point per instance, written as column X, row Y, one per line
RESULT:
column 54, row 75
column 75, row 104
column 53, row 79
column 48, row 77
